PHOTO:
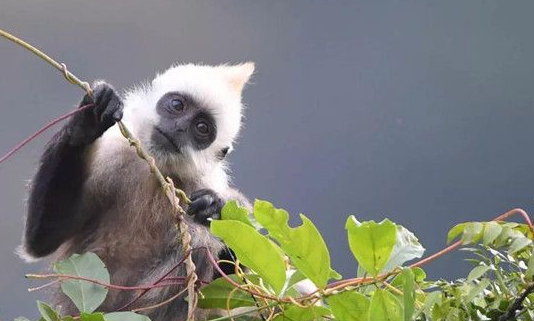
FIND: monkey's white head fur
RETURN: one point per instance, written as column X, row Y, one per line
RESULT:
column 217, row 88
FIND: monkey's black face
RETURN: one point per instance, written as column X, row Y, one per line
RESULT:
column 182, row 123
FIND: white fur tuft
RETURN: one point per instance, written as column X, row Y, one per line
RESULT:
column 21, row 252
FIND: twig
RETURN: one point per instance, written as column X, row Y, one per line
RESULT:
column 40, row 131
column 522, row 213
column 61, row 67
column 174, row 297
column 510, row 313
column 44, row 285
column 434, row 256
column 245, row 312
column 62, row 277
column 237, row 285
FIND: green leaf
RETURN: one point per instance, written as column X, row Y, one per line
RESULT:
column 472, row 232
column 303, row 244
column 67, row 318
column 349, row 306
column 308, row 252
column 217, row 293
column 296, row 313
column 125, row 316
column 407, row 247
column 371, row 243
column 274, row 220
column 385, row 307
column 502, row 239
column 477, row 272
column 455, row 231
column 477, row 289
column 232, row 211
column 491, row 232
column 334, row 275
column 529, row 273
column 408, row 293
column 96, row 316
column 419, row 274
column 85, row 295
column 47, row 312
column 519, row 243
column 431, row 300
column 253, row 249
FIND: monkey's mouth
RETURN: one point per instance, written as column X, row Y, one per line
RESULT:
column 165, row 140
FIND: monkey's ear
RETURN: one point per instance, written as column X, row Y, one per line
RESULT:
column 238, row 75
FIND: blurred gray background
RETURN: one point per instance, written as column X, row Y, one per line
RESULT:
column 420, row 111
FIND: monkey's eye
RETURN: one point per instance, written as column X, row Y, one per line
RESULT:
column 177, row 105
column 202, row 128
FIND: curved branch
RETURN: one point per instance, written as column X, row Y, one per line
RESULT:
column 62, row 277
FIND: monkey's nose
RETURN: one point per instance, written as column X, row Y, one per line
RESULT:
column 180, row 127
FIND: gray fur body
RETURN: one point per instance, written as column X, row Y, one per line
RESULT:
column 135, row 235
column 92, row 193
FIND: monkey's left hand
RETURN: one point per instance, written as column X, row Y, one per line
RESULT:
column 205, row 206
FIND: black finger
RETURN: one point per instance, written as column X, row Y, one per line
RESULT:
column 113, row 106
column 200, row 204
column 207, row 215
column 104, row 94
column 86, row 100
column 201, row 192
column 117, row 116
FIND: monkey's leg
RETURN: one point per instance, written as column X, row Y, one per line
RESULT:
column 56, row 195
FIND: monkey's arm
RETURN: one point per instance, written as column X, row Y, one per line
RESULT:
column 56, row 195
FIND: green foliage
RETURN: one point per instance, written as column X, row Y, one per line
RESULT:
column 217, row 295
column 232, row 211
column 294, row 312
column 253, row 250
column 47, row 313
column 384, row 306
column 281, row 258
column 408, row 290
column 125, row 316
column 304, row 244
column 349, row 306
column 85, row 295
column 92, row 316
column 371, row 243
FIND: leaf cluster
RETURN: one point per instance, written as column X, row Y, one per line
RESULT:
column 289, row 274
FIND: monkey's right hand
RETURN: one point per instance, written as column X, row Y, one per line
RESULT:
column 87, row 125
